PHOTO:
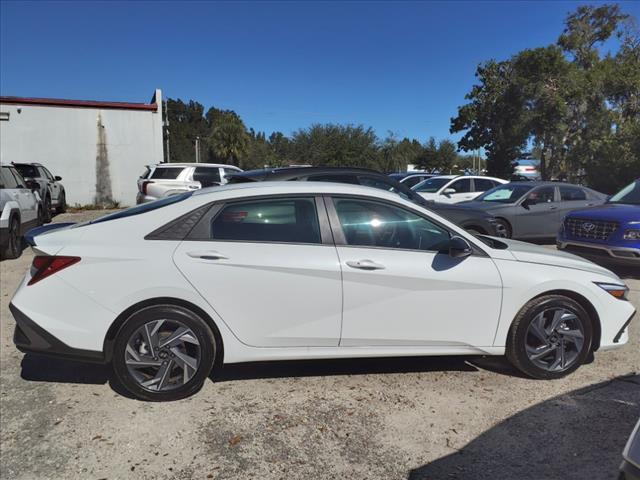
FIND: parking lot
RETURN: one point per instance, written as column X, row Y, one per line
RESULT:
column 418, row 418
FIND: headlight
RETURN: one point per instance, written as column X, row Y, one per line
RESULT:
column 618, row 291
column 631, row 235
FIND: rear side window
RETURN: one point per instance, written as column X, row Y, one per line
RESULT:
column 289, row 220
column 28, row 171
column 166, row 173
column 483, row 184
column 411, row 181
column 207, row 176
column 572, row 193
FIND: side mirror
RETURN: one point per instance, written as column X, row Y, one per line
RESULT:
column 449, row 191
column 526, row 203
column 459, row 247
column 58, row 178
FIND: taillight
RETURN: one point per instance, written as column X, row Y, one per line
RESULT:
column 144, row 186
column 43, row 266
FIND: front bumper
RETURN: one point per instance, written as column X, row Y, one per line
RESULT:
column 602, row 252
column 28, row 337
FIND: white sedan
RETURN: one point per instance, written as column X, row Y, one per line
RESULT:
column 455, row 188
column 303, row 270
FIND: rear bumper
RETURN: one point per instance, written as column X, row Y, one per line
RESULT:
column 140, row 198
column 28, row 337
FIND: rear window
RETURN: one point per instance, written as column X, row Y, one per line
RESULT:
column 143, row 208
column 572, row 193
column 28, row 171
column 166, row 173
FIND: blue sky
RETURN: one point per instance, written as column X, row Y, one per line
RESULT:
column 399, row 66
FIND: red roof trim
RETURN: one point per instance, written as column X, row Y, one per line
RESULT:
column 55, row 102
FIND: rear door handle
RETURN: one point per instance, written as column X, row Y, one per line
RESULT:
column 365, row 265
column 208, row 255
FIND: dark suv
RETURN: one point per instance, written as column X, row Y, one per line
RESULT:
column 51, row 191
column 472, row 220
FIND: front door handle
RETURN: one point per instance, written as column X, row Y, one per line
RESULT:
column 365, row 265
column 208, row 255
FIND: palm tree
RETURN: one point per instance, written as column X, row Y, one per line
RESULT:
column 229, row 139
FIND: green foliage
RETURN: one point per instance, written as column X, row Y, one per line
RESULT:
column 580, row 112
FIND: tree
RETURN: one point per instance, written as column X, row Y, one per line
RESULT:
column 229, row 139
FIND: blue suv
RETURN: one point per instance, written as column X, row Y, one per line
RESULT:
column 609, row 233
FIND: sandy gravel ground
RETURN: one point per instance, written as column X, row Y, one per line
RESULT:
column 419, row 418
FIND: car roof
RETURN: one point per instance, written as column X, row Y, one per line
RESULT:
column 293, row 172
column 33, row 164
column 213, row 165
column 538, row 183
column 264, row 188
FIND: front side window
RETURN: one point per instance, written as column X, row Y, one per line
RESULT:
column 207, row 176
column 461, row 186
column 289, row 220
column 509, row 193
column 28, row 171
column 541, row 195
column 371, row 224
column 572, row 193
column 431, row 185
column 44, row 173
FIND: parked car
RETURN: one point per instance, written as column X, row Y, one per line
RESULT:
column 474, row 221
column 411, row 178
column 630, row 467
column 455, row 188
column 326, row 270
column 21, row 210
column 534, row 210
column 609, row 232
column 51, row 191
column 166, row 179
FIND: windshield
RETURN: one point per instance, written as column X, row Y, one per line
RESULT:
column 143, row 208
column 629, row 194
column 431, row 185
column 504, row 193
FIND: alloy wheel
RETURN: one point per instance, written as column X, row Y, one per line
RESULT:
column 554, row 339
column 162, row 355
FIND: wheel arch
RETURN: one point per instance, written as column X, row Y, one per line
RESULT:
column 120, row 320
column 507, row 222
column 587, row 305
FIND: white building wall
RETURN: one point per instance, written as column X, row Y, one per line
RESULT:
column 65, row 140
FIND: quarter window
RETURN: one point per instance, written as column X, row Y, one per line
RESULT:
column 372, row 224
column 291, row 220
column 572, row 193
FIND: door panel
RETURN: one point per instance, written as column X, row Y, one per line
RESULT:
column 464, row 192
column 541, row 219
column 397, row 288
column 269, row 295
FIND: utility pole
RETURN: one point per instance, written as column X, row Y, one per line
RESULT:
column 197, row 149
column 166, row 129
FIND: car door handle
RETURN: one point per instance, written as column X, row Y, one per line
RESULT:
column 553, row 208
column 365, row 265
column 208, row 255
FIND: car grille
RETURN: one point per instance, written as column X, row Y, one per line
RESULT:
column 590, row 229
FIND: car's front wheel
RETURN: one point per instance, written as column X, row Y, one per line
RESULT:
column 163, row 353
column 550, row 337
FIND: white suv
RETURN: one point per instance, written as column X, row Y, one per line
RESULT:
column 166, row 179
column 20, row 210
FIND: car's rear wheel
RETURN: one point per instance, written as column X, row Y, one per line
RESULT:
column 163, row 353
column 14, row 244
column 550, row 337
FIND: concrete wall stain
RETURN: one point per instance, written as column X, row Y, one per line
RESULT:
column 104, row 194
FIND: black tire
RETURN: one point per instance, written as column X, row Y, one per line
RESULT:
column 46, row 210
column 504, row 226
column 168, row 313
column 40, row 216
column 14, row 242
column 519, row 335
column 62, row 203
